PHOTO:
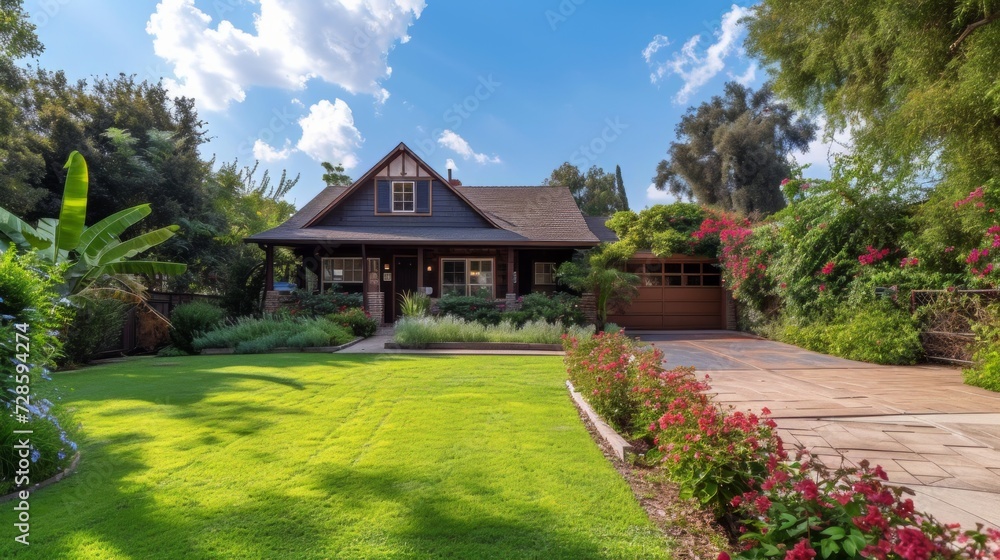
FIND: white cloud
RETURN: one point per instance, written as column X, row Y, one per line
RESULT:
column 457, row 144
column 748, row 76
column 656, row 196
column 696, row 68
column 658, row 42
column 450, row 164
column 328, row 133
column 343, row 42
column 268, row 154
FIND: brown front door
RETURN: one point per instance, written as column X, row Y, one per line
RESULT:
column 404, row 280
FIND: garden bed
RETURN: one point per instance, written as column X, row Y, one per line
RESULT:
column 476, row 346
column 286, row 349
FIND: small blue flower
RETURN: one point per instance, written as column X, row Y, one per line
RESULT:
column 60, row 455
column 35, row 456
column 72, row 445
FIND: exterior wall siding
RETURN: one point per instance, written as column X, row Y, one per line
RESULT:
column 448, row 211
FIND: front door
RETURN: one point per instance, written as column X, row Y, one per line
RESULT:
column 404, row 281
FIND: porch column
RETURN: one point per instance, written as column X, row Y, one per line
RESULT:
column 269, row 268
column 364, row 277
column 510, row 270
column 420, row 269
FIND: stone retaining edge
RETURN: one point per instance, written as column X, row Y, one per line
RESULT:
column 620, row 446
column 48, row 481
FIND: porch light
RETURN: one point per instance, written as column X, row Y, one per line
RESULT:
column 386, row 266
column 428, row 268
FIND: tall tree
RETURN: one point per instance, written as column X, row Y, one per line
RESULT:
column 733, row 150
column 916, row 82
column 620, row 185
column 20, row 163
column 595, row 192
column 335, row 175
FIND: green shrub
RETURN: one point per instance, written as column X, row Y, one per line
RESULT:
column 879, row 333
column 96, row 324
column 559, row 306
column 986, row 372
column 190, row 320
column 309, row 338
column 414, row 304
column 418, row 331
column 171, row 352
column 30, row 316
column 356, row 320
column 331, row 301
column 248, row 335
column 481, row 310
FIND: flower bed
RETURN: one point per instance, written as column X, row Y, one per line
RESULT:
column 420, row 331
column 733, row 462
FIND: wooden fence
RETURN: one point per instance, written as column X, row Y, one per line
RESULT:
column 143, row 331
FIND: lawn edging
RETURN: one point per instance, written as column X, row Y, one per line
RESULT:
column 47, row 482
column 475, row 346
column 619, row 444
column 287, row 349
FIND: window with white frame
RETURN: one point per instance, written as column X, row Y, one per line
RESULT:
column 467, row 277
column 545, row 273
column 402, row 196
column 342, row 271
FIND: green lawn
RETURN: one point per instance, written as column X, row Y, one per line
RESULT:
column 332, row 456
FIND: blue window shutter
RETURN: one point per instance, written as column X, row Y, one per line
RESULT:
column 384, row 196
column 423, row 205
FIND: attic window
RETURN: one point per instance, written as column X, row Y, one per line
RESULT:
column 402, row 196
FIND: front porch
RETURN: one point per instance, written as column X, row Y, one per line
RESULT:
column 382, row 273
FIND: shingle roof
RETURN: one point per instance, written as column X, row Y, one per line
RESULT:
column 537, row 213
column 597, row 225
column 532, row 215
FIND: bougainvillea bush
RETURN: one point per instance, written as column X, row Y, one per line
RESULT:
column 734, row 463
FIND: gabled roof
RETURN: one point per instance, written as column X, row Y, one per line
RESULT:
column 400, row 149
column 544, row 215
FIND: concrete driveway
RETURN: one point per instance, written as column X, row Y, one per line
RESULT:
column 930, row 432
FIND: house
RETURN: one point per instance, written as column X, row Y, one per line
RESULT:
column 402, row 227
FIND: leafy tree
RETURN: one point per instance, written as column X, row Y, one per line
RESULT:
column 596, row 192
column 86, row 254
column 914, row 81
column 335, row 175
column 20, row 165
column 664, row 229
column 250, row 205
column 733, row 151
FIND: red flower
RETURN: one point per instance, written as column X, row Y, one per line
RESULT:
column 828, row 268
column 913, row 544
column 802, row 551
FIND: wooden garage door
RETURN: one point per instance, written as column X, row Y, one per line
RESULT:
column 675, row 295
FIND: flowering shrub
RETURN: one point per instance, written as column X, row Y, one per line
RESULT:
column 28, row 297
column 615, row 376
column 802, row 508
column 357, row 320
column 733, row 462
column 333, row 300
column 872, row 256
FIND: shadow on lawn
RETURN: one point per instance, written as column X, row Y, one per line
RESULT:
column 456, row 523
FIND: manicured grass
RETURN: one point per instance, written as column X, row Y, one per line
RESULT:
column 332, row 456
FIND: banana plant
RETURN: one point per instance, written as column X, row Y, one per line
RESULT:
column 87, row 254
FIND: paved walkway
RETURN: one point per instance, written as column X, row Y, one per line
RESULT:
column 929, row 431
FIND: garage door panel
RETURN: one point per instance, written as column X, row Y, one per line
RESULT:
column 637, row 321
column 673, row 306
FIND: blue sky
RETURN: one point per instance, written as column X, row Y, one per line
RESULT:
column 506, row 92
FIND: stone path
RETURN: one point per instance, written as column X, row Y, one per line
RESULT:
column 929, row 431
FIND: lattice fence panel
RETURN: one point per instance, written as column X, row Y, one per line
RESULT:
column 948, row 316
